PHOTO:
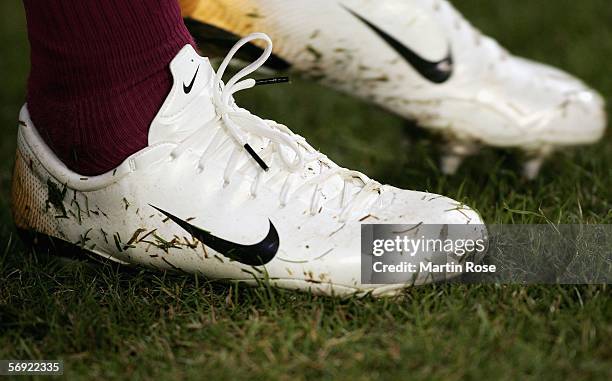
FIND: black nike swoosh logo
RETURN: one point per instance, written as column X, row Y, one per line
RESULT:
column 254, row 255
column 187, row 89
column 434, row 71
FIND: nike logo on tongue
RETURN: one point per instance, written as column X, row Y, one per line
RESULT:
column 187, row 89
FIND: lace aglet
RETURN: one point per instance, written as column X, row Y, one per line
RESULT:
column 271, row 81
column 255, row 156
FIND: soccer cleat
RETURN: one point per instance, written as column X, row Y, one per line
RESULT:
column 535, row 160
column 223, row 193
column 454, row 154
column 417, row 58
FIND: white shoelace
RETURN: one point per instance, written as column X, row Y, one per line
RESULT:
column 239, row 123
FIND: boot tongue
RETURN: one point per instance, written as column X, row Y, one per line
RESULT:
column 188, row 105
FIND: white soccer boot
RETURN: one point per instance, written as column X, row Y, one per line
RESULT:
column 223, row 193
column 422, row 60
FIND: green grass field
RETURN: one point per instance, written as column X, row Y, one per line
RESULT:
column 107, row 323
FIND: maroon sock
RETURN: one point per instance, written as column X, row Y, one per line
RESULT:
column 99, row 75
